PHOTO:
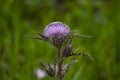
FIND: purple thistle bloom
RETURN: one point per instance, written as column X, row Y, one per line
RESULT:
column 58, row 31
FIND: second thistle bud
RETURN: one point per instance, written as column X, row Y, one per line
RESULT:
column 67, row 50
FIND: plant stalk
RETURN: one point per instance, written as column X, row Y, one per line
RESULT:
column 59, row 77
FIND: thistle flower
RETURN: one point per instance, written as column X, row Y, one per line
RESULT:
column 58, row 32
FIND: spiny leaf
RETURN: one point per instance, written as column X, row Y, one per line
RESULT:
column 81, row 54
column 67, row 66
column 42, row 36
column 34, row 37
column 81, row 36
column 42, row 65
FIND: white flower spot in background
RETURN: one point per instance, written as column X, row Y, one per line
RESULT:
column 40, row 73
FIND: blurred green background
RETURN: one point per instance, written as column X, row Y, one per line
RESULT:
column 20, row 56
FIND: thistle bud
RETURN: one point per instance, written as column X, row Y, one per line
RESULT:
column 50, row 70
column 67, row 50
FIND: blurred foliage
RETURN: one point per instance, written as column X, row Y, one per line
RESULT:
column 20, row 56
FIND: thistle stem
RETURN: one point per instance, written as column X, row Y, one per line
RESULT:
column 59, row 77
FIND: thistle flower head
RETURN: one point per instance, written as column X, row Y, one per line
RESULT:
column 58, row 31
